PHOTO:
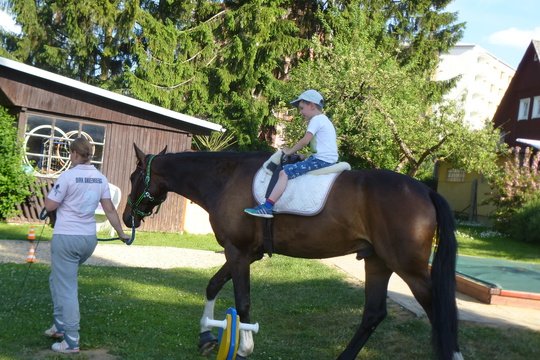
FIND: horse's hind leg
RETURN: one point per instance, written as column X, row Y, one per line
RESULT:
column 207, row 341
column 376, row 287
column 420, row 285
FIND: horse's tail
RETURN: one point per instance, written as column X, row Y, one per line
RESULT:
column 444, row 308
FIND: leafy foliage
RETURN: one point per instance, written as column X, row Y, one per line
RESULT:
column 239, row 63
column 525, row 224
column 518, row 184
column 387, row 113
column 214, row 142
column 15, row 182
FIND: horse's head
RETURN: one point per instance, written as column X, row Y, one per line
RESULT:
column 147, row 191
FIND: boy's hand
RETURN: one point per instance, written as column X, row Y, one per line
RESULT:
column 287, row 151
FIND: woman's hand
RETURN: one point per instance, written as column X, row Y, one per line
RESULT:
column 124, row 237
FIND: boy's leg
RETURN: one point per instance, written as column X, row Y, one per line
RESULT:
column 280, row 187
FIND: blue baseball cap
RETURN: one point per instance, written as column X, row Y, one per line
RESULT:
column 312, row 96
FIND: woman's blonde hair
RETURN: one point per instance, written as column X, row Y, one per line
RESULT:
column 82, row 147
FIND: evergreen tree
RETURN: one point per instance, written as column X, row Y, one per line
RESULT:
column 421, row 29
column 86, row 40
column 218, row 61
column 230, row 62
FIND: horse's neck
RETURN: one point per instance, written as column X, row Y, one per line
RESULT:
column 199, row 177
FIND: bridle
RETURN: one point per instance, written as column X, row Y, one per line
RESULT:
column 145, row 195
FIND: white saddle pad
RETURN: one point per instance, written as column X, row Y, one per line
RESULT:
column 304, row 195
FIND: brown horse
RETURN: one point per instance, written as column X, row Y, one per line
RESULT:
column 388, row 218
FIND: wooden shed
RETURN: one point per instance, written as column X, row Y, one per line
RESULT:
column 51, row 110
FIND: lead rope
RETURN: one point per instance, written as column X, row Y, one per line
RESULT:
column 44, row 214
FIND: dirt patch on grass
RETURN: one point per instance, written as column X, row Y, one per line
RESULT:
column 94, row 354
column 398, row 312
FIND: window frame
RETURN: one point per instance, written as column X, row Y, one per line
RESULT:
column 48, row 161
column 524, row 109
column 455, row 176
column 536, row 108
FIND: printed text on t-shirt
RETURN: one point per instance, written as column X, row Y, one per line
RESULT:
column 88, row 180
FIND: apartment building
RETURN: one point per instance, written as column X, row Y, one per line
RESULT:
column 484, row 80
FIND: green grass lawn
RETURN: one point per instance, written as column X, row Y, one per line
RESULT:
column 473, row 239
column 306, row 310
column 477, row 240
column 186, row 240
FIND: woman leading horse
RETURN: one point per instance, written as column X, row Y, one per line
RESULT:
column 390, row 218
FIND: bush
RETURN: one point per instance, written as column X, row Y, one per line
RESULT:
column 525, row 224
column 15, row 182
column 516, row 185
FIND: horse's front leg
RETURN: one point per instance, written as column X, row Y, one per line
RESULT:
column 207, row 341
column 241, row 282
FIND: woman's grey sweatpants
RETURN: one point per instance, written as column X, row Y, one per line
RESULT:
column 67, row 253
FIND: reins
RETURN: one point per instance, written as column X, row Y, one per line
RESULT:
column 44, row 214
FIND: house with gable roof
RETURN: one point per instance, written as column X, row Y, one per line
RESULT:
column 483, row 80
column 518, row 117
column 518, row 114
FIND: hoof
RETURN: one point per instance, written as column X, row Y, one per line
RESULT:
column 240, row 357
column 207, row 343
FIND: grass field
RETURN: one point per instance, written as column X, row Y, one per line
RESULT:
column 306, row 310
column 473, row 239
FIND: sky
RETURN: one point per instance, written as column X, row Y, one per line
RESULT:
column 504, row 28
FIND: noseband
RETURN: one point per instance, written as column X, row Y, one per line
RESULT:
column 145, row 194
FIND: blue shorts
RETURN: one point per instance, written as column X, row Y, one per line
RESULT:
column 302, row 167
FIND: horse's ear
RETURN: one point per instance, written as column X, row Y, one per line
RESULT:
column 140, row 155
column 163, row 151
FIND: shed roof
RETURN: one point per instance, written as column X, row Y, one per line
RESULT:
column 80, row 86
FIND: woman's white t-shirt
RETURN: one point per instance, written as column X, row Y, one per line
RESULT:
column 78, row 190
column 324, row 142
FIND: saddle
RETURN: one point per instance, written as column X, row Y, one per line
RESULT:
column 297, row 189
column 304, row 195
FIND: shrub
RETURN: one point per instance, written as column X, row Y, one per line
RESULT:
column 15, row 182
column 525, row 224
column 517, row 184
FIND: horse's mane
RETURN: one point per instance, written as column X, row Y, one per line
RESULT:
column 219, row 155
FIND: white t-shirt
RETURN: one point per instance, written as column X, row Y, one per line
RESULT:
column 324, row 142
column 78, row 191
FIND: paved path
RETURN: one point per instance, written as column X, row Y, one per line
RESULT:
column 118, row 255
column 166, row 257
column 470, row 309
